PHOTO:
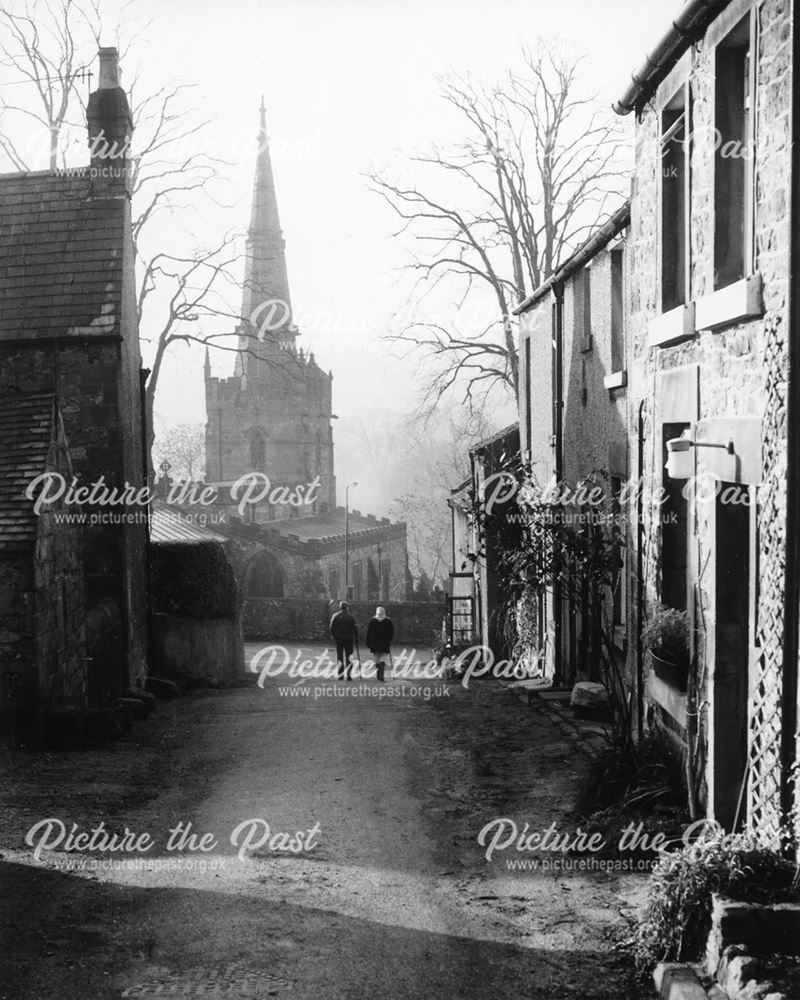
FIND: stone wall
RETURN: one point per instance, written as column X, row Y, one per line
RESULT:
column 595, row 428
column 43, row 651
column 18, row 673
column 303, row 620
column 99, row 422
column 209, row 650
column 196, row 623
column 537, row 329
column 306, row 568
column 60, row 615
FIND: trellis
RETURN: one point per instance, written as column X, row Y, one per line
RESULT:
column 764, row 782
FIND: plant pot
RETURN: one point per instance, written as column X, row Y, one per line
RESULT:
column 672, row 672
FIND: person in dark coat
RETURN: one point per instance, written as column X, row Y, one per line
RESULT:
column 380, row 633
column 344, row 633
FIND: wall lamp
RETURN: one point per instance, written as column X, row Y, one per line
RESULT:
column 679, row 456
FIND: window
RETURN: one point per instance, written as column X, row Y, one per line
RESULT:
column 733, row 178
column 582, row 303
column 675, row 204
column 333, row 582
column 358, row 581
column 617, row 313
column 674, row 530
column 258, row 452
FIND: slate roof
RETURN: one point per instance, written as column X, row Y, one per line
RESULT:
column 169, row 523
column 496, row 437
column 60, row 256
column 461, row 496
column 326, row 526
column 26, row 428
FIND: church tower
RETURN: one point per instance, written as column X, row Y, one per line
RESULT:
column 274, row 414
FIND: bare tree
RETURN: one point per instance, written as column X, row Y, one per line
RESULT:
column 46, row 44
column 183, row 447
column 50, row 46
column 438, row 460
column 494, row 215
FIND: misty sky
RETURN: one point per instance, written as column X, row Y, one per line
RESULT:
column 348, row 84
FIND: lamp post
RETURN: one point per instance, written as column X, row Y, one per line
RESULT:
column 348, row 596
column 679, row 457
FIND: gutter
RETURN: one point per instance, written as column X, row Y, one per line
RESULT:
column 687, row 29
column 597, row 241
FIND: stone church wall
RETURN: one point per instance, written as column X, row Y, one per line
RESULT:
column 298, row 620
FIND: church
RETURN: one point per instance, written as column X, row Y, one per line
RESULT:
column 269, row 444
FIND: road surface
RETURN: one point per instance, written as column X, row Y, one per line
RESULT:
column 332, row 853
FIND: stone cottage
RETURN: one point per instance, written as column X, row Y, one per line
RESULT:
column 70, row 381
column 712, row 389
column 573, row 430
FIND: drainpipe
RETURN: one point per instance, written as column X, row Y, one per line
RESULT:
column 148, row 596
column 476, row 543
column 558, row 362
column 788, row 745
column 640, row 573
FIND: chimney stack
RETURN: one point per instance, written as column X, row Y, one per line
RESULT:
column 110, row 128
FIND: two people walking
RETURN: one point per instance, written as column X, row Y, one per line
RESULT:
column 344, row 632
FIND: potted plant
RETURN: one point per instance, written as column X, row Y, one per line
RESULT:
column 666, row 636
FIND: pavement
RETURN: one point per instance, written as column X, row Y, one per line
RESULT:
column 259, row 841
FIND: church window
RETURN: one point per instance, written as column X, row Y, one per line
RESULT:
column 258, row 453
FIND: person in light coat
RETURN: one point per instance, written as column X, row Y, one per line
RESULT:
column 380, row 633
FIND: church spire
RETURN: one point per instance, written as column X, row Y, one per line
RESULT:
column 266, row 303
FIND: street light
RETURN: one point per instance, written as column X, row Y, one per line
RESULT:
column 679, row 457
column 347, row 594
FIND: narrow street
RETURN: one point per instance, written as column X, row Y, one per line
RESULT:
column 389, row 894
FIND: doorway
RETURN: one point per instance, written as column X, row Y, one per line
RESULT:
column 735, row 554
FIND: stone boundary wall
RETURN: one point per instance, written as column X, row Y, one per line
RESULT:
column 307, row 620
column 208, row 650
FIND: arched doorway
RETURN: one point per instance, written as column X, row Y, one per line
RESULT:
column 264, row 577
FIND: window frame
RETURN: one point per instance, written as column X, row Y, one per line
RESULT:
column 750, row 78
column 666, row 135
column 617, row 325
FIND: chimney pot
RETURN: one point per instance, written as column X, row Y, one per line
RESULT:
column 109, row 69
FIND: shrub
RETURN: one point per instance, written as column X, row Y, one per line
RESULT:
column 652, row 775
column 677, row 916
column 667, row 634
column 193, row 580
